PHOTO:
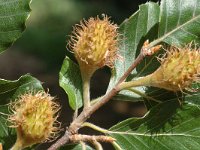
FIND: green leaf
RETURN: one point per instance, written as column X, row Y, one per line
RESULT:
column 175, row 22
column 133, row 31
column 12, row 89
column 13, row 14
column 9, row 91
column 179, row 22
column 164, row 127
column 70, row 80
column 134, row 94
column 153, row 96
column 75, row 147
column 178, row 26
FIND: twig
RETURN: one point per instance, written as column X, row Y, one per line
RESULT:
column 97, row 145
column 92, row 126
column 90, row 138
column 76, row 124
column 86, row 113
column 75, row 114
column 83, row 145
column 86, row 90
column 96, row 100
column 63, row 140
column 117, row 147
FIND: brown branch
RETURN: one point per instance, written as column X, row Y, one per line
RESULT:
column 90, row 138
column 76, row 124
column 86, row 113
column 62, row 141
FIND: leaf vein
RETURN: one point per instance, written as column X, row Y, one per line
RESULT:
column 176, row 141
column 189, row 32
column 195, row 7
column 13, row 15
column 9, row 31
column 153, row 135
column 8, row 2
column 179, row 13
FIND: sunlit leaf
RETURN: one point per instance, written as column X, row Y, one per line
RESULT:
column 175, row 22
column 70, row 80
column 134, row 29
column 177, row 128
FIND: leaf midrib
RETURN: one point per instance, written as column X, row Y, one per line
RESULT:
column 152, row 135
column 160, row 39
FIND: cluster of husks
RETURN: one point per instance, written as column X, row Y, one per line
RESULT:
column 94, row 43
column 179, row 69
column 34, row 117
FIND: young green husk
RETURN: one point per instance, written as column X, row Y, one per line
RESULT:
column 34, row 117
column 179, row 69
column 94, row 43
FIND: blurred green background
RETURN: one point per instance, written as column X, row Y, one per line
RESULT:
column 42, row 48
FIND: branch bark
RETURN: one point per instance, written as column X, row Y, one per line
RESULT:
column 62, row 141
column 91, row 138
column 76, row 124
column 86, row 113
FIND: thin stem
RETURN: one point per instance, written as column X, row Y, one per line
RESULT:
column 97, row 145
column 92, row 126
column 76, row 124
column 83, row 145
column 86, row 113
column 116, row 146
column 75, row 114
column 95, row 100
column 143, row 95
column 20, row 143
column 91, row 138
column 86, row 90
column 63, row 140
column 17, row 145
column 143, row 81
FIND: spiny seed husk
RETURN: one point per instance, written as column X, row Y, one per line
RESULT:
column 94, row 42
column 179, row 69
column 34, row 117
